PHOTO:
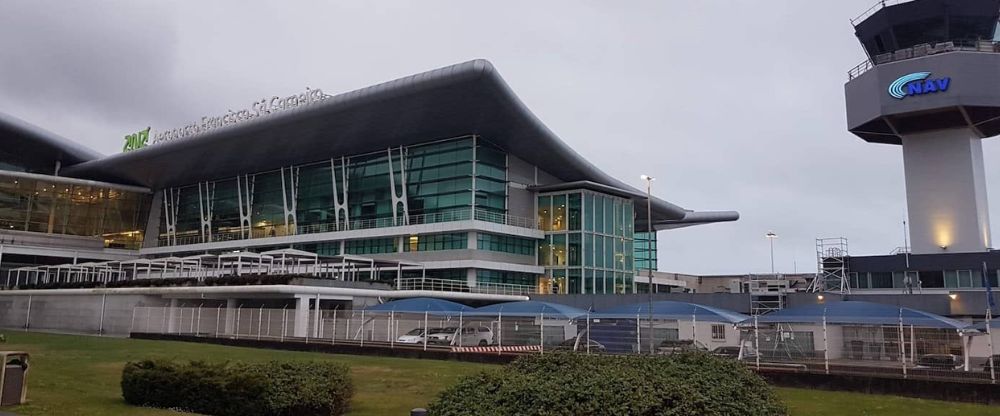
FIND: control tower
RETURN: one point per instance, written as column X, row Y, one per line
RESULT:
column 932, row 85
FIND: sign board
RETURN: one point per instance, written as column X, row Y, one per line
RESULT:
column 136, row 140
column 261, row 108
column 917, row 83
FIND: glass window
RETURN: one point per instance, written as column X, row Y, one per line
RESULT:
column 574, row 250
column 965, row 278
column 545, row 213
column 506, row 244
column 881, row 280
column 588, row 211
column 599, row 213
column 574, row 211
column 559, row 212
column 950, row 278
column 588, row 281
column 718, row 332
column 559, row 254
column 436, row 242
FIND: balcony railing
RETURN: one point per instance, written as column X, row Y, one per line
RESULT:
column 925, row 49
column 445, row 285
column 464, row 214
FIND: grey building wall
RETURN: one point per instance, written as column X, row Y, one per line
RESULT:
column 946, row 192
column 520, row 175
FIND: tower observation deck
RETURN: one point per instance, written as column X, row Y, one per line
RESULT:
column 930, row 85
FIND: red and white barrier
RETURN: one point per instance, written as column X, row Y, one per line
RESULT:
column 508, row 348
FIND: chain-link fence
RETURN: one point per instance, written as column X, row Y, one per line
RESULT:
column 901, row 350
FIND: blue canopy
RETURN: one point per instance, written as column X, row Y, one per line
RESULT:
column 674, row 310
column 421, row 305
column 859, row 313
column 531, row 308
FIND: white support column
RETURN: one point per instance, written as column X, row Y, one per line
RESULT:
column 400, row 197
column 171, row 202
column 301, row 319
column 289, row 198
column 244, row 193
column 340, row 198
column 206, row 201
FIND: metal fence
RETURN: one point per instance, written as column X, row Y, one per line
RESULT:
column 879, row 350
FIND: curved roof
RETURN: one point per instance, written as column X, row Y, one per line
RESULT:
column 530, row 308
column 682, row 311
column 420, row 305
column 859, row 313
column 467, row 98
column 37, row 149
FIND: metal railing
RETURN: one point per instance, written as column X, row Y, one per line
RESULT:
column 925, row 49
column 463, row 214
column 879, row 5
column 446, row 285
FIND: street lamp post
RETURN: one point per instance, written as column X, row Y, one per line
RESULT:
column 649, row 254
column 771, row 236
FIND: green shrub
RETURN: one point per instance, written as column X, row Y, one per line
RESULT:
column 695, row 384
column 308, row 388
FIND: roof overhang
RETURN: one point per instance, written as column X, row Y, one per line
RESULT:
column 462, row 99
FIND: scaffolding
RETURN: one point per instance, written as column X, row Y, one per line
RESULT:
column 831, row 259
column 767, row 293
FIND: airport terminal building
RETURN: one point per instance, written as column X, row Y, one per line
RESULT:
column 443, row 175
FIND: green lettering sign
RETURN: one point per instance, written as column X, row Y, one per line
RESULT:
column 136, row 140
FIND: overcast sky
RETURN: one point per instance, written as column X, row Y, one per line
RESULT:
column 732, row 105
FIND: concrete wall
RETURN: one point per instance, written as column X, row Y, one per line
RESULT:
column 520, row 175
column 946, row 192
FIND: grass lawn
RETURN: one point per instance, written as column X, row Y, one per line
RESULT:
column 79, row 375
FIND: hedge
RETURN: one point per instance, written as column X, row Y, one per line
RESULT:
column 692, row 384
column 308, row 388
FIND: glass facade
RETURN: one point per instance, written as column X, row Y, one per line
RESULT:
column 36, row 205
column 432, row 182
column 923, row 279
column 506, row 277
column 506, row 244
column 436, row 242
column 588, row 246
column 645, row 251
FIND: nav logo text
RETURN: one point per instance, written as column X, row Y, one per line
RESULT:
column 917, row 83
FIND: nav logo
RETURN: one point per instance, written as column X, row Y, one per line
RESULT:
column 136, row 140
column 917, row 83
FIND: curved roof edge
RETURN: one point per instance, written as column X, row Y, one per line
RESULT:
column 466, row 98
column 32, row 142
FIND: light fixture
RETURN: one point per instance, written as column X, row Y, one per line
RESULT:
column 953, row 295
column 647, row 178
column 944, row 247
column 819, row 297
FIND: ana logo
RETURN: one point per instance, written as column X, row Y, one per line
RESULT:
column 136, row 140
column 917, row 83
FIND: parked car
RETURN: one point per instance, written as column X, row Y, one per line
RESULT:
column 441, row 335
column 940, row 362
column 415, row 336
column 470, row 336
column 580, row 344
column 680, row 345
column 726, row 352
